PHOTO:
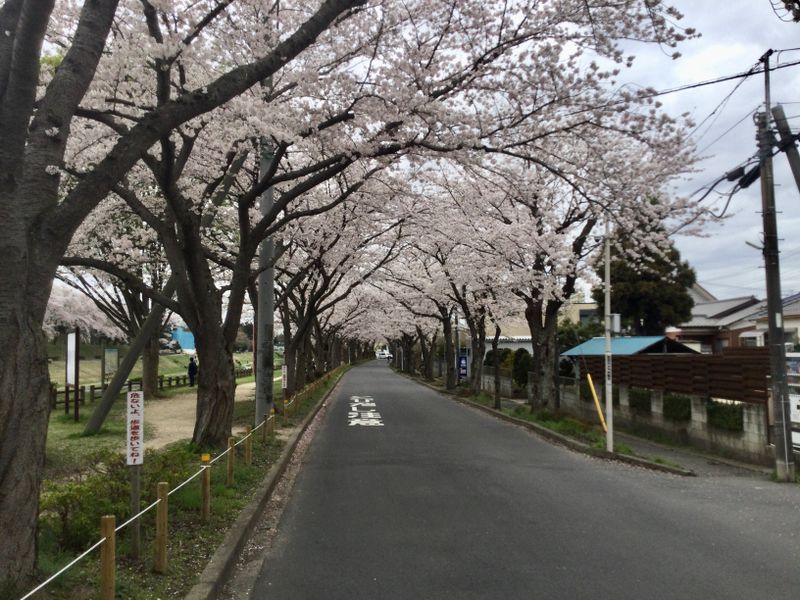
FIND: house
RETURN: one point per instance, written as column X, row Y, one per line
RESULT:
column 718, row 324
column 791, row 323
column 516, row 333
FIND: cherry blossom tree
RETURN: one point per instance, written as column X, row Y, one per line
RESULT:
column 114, row 234
column 37, row 116
column 438, row 76
column 67, row 309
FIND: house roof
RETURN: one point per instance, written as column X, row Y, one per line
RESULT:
column 791, row 307
column 722, row 313
column 625, row 346
column 700, row 294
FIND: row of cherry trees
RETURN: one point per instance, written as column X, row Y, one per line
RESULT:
column 509, row 240
column 404, row 139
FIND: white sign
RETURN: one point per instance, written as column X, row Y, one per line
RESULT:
column 284, row 376
column 363, row 413
column 135, row 428
column 72, row 355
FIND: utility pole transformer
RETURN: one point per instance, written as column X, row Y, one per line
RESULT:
column 782, row 433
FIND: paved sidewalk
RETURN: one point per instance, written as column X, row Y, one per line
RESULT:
column 704, row 465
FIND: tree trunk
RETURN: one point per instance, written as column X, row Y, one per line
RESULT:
column 496, row 365
column 478, row 348
column 449, row 354
column 24, row 411
column 150, row 366
column 216, row 388
column 542, row 323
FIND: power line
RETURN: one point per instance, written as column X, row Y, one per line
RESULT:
column 728, row 130
column 722, row 105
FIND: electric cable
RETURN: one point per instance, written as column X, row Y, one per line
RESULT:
column 723, row 103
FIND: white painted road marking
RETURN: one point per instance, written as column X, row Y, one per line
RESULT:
column 362, row 412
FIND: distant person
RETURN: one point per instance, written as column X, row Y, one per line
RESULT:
column 192, row 371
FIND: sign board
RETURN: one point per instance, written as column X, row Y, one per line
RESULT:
column 72, row 356
column 462, row 367
column 135, row 435
column 111, row 358
column 283, row 377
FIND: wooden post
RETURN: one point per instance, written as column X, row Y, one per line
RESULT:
column 66, row 399
column 135, row 527
column 231, row 460
column 160, row 555
column 83, row 394
column 205, row 489
column 108, row 551
column 248, row 446
column 91, row 393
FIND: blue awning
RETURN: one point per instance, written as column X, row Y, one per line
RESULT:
column 626, row 346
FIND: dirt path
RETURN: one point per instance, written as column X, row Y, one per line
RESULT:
column 172, row 419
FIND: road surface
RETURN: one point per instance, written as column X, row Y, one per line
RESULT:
column 442, row 501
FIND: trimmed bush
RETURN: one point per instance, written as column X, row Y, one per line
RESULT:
column 677, row 407
column 504, row 353
column 726, row 416
column 523, row 363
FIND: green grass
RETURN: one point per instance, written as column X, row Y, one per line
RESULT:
column 88, row 484
column 168, row 365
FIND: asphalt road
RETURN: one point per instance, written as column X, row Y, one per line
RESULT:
column 442, row 501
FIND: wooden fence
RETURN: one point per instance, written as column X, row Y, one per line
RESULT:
column 94, row 392
column 737, row 374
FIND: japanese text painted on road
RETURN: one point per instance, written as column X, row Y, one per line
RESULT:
column 135, row 428
column 363, row 412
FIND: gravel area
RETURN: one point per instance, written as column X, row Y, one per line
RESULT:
column 172, row 419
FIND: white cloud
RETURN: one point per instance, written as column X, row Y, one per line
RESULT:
column 735, row 34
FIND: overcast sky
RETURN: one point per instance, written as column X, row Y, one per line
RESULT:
column 735, row 34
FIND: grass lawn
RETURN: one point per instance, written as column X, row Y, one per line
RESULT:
column 87, row 477
column 168, row 365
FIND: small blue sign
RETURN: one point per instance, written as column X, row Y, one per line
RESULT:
column 462, row 367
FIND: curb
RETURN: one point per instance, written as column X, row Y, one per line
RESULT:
column 219, row 567
column 563, row 440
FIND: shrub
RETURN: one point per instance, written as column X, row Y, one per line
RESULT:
column 639, row 399
column 725, row 415
column 504, row 353
column 523, row 363
column 70, row 511
column 677, row 407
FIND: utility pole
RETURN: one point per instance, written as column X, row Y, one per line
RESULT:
column 787, row 142
column 607, row 327
column 784, row 458
column 265, row 315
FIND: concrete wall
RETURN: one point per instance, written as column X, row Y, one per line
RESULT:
column 748, row 445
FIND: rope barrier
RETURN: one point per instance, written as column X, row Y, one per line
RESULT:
column 203, row 468
column 154, row 504
column 134, row 517
column 52, row 577
column 216, row 458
